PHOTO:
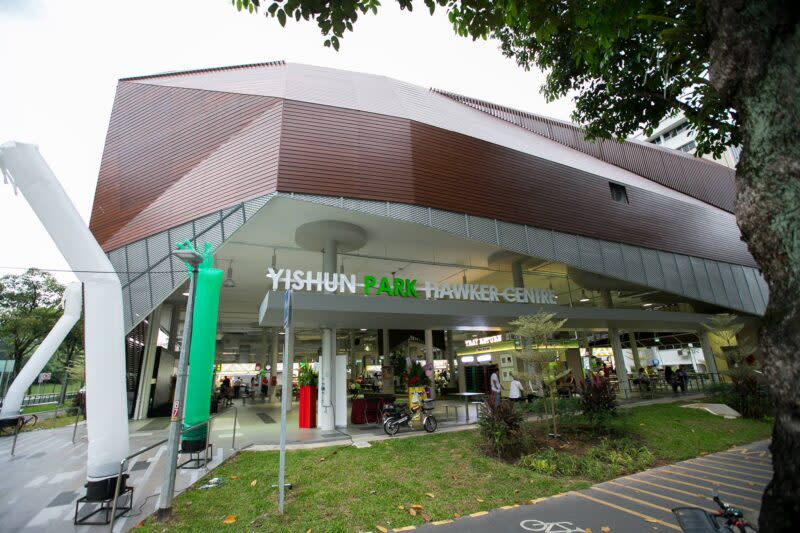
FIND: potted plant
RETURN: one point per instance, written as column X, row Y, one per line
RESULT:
column 307, row 381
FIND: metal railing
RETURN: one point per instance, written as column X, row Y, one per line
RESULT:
column 20, row 423
column 123, row 462
column 654, row 386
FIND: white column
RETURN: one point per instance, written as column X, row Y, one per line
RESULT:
column 635, row 351
column 708, row 355
column 325, row 417
column 146, row 379
column 619, row 359
column 429, row 358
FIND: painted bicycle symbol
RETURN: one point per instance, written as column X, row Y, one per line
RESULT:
column 550, row 527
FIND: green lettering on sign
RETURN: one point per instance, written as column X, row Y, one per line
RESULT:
column 398, row 289
column 369, row 282
column 384, row 287
column 411, row 290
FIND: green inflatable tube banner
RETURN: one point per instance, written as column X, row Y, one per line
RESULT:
column 201, row 351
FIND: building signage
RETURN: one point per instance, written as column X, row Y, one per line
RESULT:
column 484, row 340
column 300, row 280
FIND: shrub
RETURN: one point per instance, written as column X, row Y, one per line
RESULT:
column 307, row 376
column 607, row 460
column 598, row 401
column 745, row 395
column 500, row 428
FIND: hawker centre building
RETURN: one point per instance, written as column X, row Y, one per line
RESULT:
column 409, row 221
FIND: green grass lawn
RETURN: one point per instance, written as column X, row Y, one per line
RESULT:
column 350, row 489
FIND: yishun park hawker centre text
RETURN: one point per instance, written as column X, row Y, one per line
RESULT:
column 307, row 280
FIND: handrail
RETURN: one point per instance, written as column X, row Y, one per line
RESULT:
column 159, row 443
column 18, row 426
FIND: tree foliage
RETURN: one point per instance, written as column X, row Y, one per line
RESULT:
column 29, row 307
column 629, row 63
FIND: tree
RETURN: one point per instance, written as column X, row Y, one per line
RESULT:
column 69, row 351
column 732, row 66
column 29, row 307
column 537, row 332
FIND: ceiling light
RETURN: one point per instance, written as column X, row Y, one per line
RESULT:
column 186, row 294
column 281, row 333
column 584, row 298
column 229, row 279
column 363, row 329
column 646, row 305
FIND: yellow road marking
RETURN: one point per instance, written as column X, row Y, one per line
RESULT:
column 722, row 462
column 479, row 513
column 441, row 522
column 728, row 477
column 712, row 482
column 702, row 487
column 695, row 494
column 730, row 470
column 668, row 498
column 407, row 528
column 507, row 507
column 634, row 500
column 629, row 511
column 737, row 458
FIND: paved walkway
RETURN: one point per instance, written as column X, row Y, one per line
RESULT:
column 42, row 481
column 638, row 503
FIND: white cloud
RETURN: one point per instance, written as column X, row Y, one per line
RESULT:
column 60, row 63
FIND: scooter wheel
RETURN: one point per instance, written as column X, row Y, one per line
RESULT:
column 391, row 427
column 430, row 424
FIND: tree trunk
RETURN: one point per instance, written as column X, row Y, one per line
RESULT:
column 755, row 64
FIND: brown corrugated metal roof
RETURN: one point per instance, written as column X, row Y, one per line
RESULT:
column 699, row 178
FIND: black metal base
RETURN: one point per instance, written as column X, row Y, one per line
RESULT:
column 105, row 506
column 200, row 458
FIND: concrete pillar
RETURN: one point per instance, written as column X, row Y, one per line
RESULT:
column 708, row 355
column 451, row 353
column 619, row 360
column 385, row 343
column 637, row 364
column 605, row 299
column 429, row 358
column 516, row 273
column 327, row 386
column 462, row 377
column 174, row 318
column 146, row 379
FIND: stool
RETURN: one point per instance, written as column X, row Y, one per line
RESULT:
column 478, row 408
column 106, row 503
column 454, row 408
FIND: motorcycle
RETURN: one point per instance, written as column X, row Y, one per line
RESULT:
column 402, row 415
column 694, row 520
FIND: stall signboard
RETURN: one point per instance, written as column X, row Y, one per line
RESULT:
column 484, row 340
column 307, row 280
column 415, row 396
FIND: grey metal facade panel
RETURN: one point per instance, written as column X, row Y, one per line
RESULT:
column 450, row 222
column 751, row 275
column 688, row 281
column 409, row 213
column 729, row 284
column 613, row 260
column 762, row 284
column 652, row 268
column 591, row 257
column 566, row 247
column 119, row 262
column 703, row 281
column 717, row 284
column 540, row 242
column 744, row 291
column 482, row 229
column 512, row 237
column 372, row 207
column 159, row 271
column 634, row 265
column 672, row 279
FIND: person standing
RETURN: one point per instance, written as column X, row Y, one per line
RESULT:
column 682, row 379
column 494, row 382
column 516, row 392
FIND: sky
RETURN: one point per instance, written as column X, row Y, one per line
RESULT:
column 60, row 62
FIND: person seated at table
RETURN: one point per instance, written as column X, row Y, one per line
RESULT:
column 642, row 379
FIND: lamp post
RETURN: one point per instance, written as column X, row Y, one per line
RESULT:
column 193, row 259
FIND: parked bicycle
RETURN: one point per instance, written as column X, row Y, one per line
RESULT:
column 402, row 415
column 16, row 423
column 728, row 519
